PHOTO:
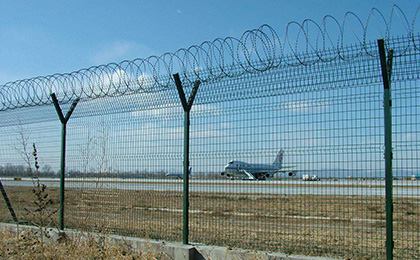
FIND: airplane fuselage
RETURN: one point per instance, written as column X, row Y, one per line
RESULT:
column 251, row 171
column 255, row 171
column 175, row 175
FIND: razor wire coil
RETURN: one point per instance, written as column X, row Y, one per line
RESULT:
column 255, row 51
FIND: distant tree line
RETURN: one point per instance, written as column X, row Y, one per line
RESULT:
column 10, row 170
column 137, row 174
column 46, row 171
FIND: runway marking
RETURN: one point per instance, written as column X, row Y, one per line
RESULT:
column 255, row 215
column 268, row 184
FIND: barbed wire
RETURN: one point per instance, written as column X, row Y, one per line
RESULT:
column 255, row 51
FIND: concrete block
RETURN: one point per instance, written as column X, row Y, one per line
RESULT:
column 173, row 250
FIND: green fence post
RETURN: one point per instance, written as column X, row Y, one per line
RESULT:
column 187, row 108
column 9, row 205
column 386, row 66
column 63, row 120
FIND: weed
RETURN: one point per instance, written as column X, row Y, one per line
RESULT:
column 41, row 213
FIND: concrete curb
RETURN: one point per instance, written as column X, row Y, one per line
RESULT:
column 174, row 250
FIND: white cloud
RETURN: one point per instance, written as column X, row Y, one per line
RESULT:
column 154, row 132
column 174, row 108
column 105, row 83
column 306, row 106
column 206, row 133
column 158, row 113
column 121, row 50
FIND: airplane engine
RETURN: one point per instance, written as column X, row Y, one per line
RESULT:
column 222, row 173
column 291, row 174
column 267, row 175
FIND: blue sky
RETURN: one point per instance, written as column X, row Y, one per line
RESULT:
column 47, row 37
column 55, row 37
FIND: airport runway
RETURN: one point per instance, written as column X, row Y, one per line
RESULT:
column 285, row 187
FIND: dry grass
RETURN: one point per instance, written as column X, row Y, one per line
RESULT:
column 335, row 226
column 27, row 245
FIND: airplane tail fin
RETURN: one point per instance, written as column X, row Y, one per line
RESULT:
column 279, row 158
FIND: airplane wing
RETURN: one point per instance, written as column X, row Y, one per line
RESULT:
column 250, row 176
column 258, row 175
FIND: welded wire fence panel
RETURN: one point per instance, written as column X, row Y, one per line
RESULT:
column 286, row 151
column 406, row 141
column 119, row 162
column 330, row 130
column 18, row 171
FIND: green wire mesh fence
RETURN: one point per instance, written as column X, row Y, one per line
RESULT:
column 286, row 151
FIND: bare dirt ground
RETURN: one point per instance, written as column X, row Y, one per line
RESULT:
column 350, row 227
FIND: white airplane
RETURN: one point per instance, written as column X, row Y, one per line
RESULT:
column 177, row 175
column 253, row 171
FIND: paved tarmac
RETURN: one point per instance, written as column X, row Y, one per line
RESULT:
column 402, row 188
